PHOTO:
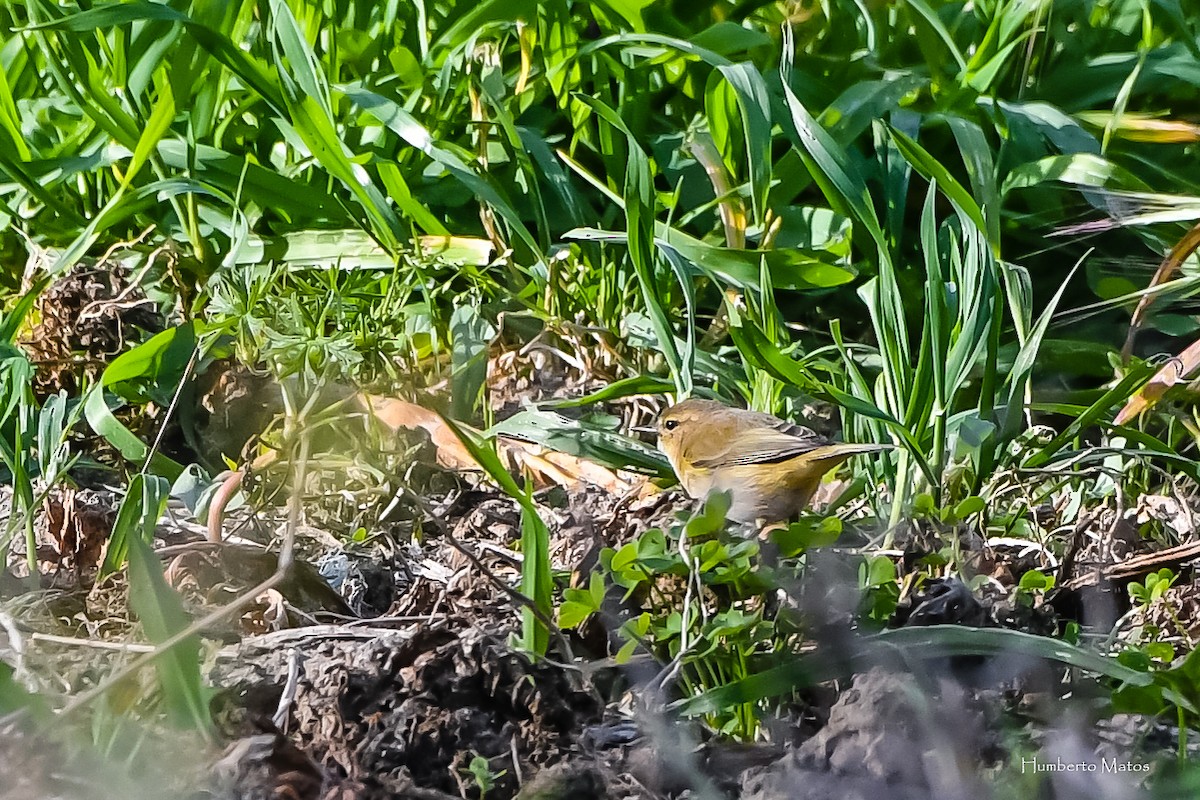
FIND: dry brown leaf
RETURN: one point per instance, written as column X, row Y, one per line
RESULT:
column 1171, row 373
column 563, row 469
column 1167, row 510
column 396, row 413
column 1179, row 253
column 591, row 472
column 1135, row 127
column 268, row 613
column 545, row 466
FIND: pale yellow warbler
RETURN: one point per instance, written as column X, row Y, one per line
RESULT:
column 770, row 467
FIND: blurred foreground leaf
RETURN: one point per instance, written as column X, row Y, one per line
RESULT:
column 909, row 645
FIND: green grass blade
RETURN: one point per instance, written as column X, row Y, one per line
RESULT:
column 158, row 607
column 910, row 645
column 470, row 337
column 843, row 187
column 536, row 578
column 1021, row 372
column 1118, row 393
column 933, row 170
column 404, row 125
column 583, row 439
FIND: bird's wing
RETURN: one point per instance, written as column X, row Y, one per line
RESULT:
column 764, row 446
column 752, row 420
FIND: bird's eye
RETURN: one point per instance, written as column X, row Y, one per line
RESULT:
column 671, row 424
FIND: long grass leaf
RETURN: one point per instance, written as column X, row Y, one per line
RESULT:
column 1118, row 393
column 909, row 645
column 404, row 125
column 843, row 187
column 579, row 438
column 1022, row 369
column 253, row 72
column 536, row 579
column 934, row 170
column 789, row 267
column 640, row 205
column 158, row 607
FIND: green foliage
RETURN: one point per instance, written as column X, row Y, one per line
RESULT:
column 318, row 326
column 1035, row 581
column 1149, row 644
column 537, row 579
column 1173, row 688
column 694, row 582
column 916, row 644
column 579, row 604
column 35, row 449
column 590, row 438
column 697, row 589
column 470, row 336
column 481, row 772
column 374, row 126
column 881, row 592
column 1032, row 587
column 153, row 370
column 809, row 531
column 15, row 698
column 926, row 507
column 1143, row 593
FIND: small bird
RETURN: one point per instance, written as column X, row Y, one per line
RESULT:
column 770, row 467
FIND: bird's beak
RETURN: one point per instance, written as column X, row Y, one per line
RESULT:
column 643, row 429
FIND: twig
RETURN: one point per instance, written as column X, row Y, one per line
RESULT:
column 203, row 544
column 671, row 670
column 95, row 644
column 1067, row 565
column 511, row 556
column 377, row 621
column 276, row 638
column 516, row 761
column 16, row 642
column 134, row 282
column 1149, row 562
column 289, row 690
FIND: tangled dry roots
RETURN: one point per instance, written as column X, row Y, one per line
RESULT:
column 82, row 321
